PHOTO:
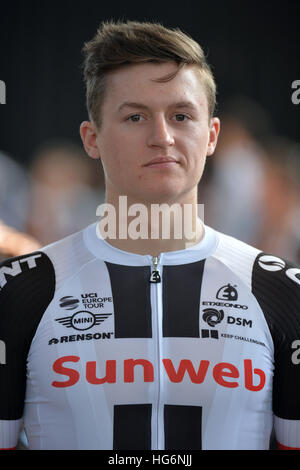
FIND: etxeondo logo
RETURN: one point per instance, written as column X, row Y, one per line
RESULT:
column 223, row 373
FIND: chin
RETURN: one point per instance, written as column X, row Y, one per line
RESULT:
column 162, row 197
column 169, row 193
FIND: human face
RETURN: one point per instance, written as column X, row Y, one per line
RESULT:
column 154, row 137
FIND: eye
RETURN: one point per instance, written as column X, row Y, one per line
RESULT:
column 135, row 118
column 180, row 117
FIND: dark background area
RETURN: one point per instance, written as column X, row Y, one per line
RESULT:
column 253, row 48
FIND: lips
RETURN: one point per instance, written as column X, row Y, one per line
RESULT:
column 161, row 162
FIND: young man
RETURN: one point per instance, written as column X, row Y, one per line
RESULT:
column 113, row 341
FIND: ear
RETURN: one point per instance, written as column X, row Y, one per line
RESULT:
column 88, row 133
column 213, row 135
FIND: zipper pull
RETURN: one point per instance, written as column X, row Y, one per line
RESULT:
column 155, row 276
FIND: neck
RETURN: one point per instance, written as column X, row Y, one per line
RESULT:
column 151, row 228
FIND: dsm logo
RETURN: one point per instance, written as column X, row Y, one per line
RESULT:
column 83, row 320
column 212, row 316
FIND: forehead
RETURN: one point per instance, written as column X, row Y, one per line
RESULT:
column 139, row 83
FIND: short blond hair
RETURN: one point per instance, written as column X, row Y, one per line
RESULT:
column 118, row 44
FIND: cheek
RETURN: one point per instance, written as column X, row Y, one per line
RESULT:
column 196, row 139
column 112, row 166
column 117, row 148
column 110, row 152
column 197, row 152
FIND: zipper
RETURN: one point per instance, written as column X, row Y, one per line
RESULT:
column 155, row 276
column 156, row 295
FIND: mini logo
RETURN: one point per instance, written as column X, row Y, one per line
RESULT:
column 227, row 292
column 212, row 316
column 68, row 302
column 271, row 263
column 83, row 320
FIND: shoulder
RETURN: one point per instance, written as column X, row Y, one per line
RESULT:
column 27, row 286
column 17, row 271
column 31, row 280
column 237, row 256
column 259, row 267
column 274, row 272
column 230, row 249
column 276, row 286
column 273, row 280
column 69, row 255
column 275, row 283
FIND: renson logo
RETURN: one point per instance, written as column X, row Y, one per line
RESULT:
column 224, row 373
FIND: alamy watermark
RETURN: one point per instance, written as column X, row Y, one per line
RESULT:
column 160, row 221
column 296, row 93
column 2, row 92
column 296, row 354
column 2, row 352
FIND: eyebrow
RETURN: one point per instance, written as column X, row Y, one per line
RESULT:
column 179, row 104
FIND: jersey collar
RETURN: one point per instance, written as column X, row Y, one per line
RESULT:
column 100, row 248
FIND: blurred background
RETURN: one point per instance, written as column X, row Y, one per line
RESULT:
column 49, row 187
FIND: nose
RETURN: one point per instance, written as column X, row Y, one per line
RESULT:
column 160, row 134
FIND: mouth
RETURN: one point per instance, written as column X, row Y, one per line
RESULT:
column 161, row 162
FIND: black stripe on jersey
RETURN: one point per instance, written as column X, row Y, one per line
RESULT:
column 131, row 296
column 27, row 287
column 181, row 299
column 279, row 298
column 183, row 427
column 132, row 427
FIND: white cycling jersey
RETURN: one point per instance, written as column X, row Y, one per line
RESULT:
column 104, row 349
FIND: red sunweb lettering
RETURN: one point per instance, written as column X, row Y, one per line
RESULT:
column 71, row 373
column 249, row 377
column 223, row 373
column 129, row 369
column 225, row 369
column 110, row 376
column 186, row 366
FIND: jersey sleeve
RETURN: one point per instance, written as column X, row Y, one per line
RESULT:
column 276, row 286
column 27, row 285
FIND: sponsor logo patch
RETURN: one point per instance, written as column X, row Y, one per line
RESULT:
column 83, row 320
